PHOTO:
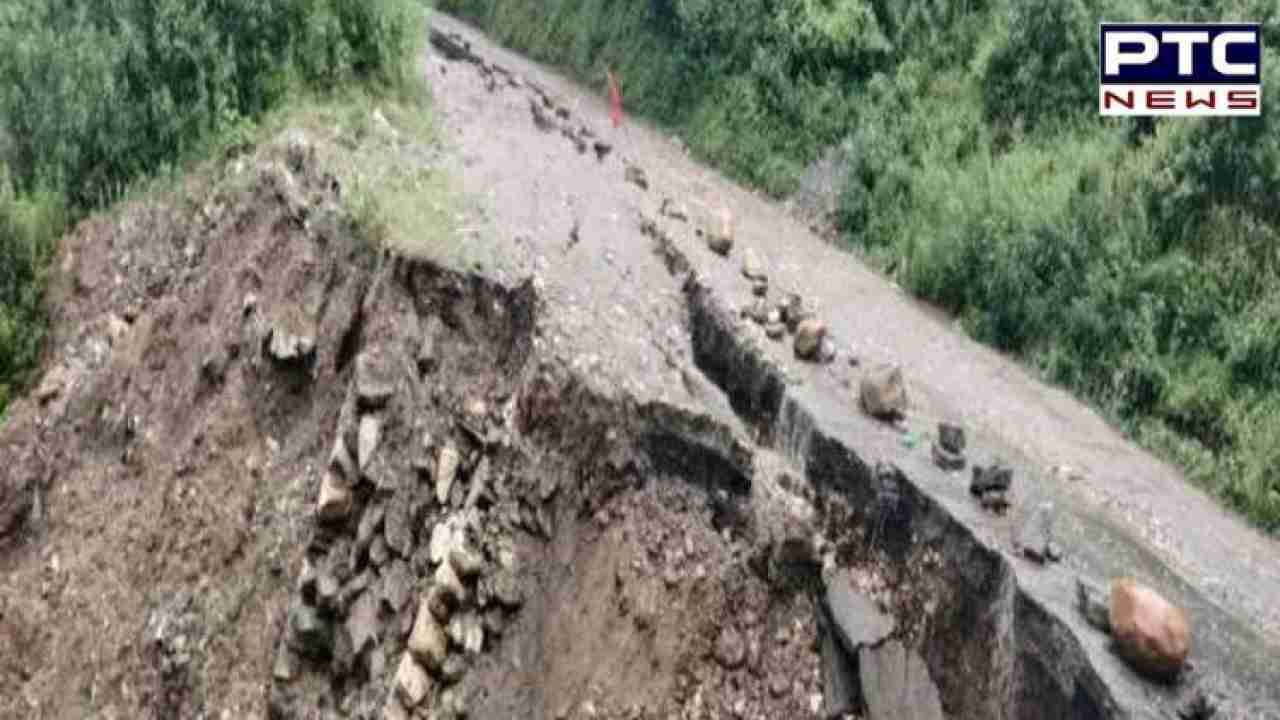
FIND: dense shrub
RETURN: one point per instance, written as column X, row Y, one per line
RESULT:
column 1134, row 263
column 96, row 93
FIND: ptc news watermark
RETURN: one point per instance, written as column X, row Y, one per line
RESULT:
column 1180, row 69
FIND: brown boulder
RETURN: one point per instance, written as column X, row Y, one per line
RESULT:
column 1150, row 632
column 809, row 336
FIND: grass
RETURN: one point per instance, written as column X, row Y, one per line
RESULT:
column 101, row 100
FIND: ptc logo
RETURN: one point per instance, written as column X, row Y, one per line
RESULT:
column 1180, row 69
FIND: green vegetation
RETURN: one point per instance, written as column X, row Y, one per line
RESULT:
column 1137, row 264
column 97, row 94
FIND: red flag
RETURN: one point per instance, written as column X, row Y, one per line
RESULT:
column 615, row 100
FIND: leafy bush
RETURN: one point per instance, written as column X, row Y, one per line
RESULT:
column 96, row 93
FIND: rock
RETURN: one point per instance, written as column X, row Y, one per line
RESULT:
column 453, row 704
column 412, row 682
column 720, row 244
column 362, row 624
column 896, row 684
column 731, row 651
column 855, row 618
column 839, row 677
column 373, row 385
column 309, row 633
column 996, row 501
column 494, row 621
column 946, row 459
column 1036, row 537
column 792, row 311
column 369, row 434
column 1150, row 632
column 1093, row 605
column 602, row 149
column 760, row 288
column 341, row 462
column 427, row 353
column 399, row 533
column 334, row 503
column 951, row 437
column 326, row 591
column 506, row 589
column 287, row 664
column 397, row 585
column 378, row 553
column 479, row 484
column 455, row 666
column 427, row 641
column 446, row 471
column 354, row 587
column 883, row 393
column 393, row 710
column 447, row 591
column 752, row 267
column 343, row 659
column 53, row 383
column 809, row 336
column 288, row 348
column 467, row 632
column 827, row 350
column 996, row 476
column 635, row 175
column 757, row 311
column 775, row 331
column 669, row 209
column 466, row 560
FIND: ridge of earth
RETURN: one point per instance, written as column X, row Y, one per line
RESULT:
column 577, row 224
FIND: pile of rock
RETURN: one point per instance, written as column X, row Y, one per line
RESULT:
column 420, row 569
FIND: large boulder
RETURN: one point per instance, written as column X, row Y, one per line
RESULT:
column 1150, row 632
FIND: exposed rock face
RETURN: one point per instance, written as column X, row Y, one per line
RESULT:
column 1150, row 632
column 896, row 684
column 855, row 618
column 884, row 393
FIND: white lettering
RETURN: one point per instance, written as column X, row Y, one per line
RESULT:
column 1116, row 57
column 1220, row 43
column 1186, row 41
